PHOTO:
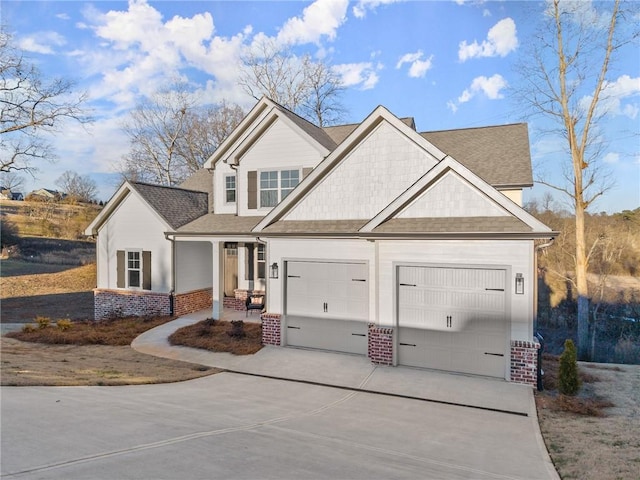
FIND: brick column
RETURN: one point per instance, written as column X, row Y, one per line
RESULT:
column 271, row 328
column 380, row 348
column 524, row 362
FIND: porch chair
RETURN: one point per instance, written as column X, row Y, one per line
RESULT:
column 254, row 302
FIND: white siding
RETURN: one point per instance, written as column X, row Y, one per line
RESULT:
column 280, row 147
column 513, row 195
column 516, row 256
column 133, row 225
column 452, row 196
column 193, row 266
column 219, row 206
column 382, row 167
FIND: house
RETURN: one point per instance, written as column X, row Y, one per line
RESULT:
column 7, row 194
column 370, row 239
column 45, row 194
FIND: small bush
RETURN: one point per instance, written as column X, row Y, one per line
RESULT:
column 237, row 329
column 64, row 324
column 43, row 322
column 568, row 376
column 627, row 351
column 28, row 328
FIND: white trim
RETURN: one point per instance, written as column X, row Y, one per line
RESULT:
column 140, row 269
column 235, row 188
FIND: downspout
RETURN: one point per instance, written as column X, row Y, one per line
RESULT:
column 172, row 293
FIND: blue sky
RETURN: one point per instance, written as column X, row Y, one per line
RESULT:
column 448, row 64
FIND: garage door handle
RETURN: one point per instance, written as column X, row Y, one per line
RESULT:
column 293, row 276
column 495, row 289
column 407, row 344
column 407, row 284
column 359, row 334
column 358, row 279
column 495, row 354
column 297, row 328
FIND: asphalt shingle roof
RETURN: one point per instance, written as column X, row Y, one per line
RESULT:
column 454, row 225
column 498, row 154
column 177, row 206
column 227, row 223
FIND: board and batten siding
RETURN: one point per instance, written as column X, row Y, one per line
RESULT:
column 383, row 166
column 281, row 250
column 221, row 171
column 133, row 226
column 194, row 262
column 515, row 256
column 268, row 154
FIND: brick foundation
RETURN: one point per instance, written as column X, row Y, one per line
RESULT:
column 380, row 348
column 127, row 303
column 190, row 302
column 271, row 327
column 238, row 302
column 524, row 362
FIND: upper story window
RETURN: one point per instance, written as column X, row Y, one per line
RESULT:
column 275, row 185
column 230, row 189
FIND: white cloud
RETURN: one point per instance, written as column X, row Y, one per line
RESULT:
column 360, row 8
column 491, row 88
column 501, row 40
column 320, row 19
column 63, row 16
column 613, row 95
column 612, row 157
column 486, row 12
column 42, row 42
column 418, row 67
column 353, row 74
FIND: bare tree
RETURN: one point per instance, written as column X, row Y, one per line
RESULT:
column 12, row 181
column 171, row 136
column 31, row 106
column 307, row 87
column 565, row 80
column 79, row 187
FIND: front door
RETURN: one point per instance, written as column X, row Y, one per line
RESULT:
column 230, row 269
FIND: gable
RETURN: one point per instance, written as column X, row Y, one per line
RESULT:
column 452, row 196
column 380, row 167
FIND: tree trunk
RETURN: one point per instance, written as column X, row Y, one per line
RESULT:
column 582, row 289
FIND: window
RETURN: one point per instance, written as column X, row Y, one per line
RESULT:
column 261, row 261
column 230, row 189
column 134, row 270
column 276, row 185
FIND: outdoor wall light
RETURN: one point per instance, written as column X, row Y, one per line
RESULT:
column 273, row 270
column 519, row 284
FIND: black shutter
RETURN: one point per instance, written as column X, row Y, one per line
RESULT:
column 120, row 268
column 146, row 270
column 252, row 189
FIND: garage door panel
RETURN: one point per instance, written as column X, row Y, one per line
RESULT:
column 327, row 334
column 460, row 313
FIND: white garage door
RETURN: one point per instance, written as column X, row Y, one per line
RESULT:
column 327, row 305
column 453, row 319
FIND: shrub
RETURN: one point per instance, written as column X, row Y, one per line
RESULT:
column 568, row 377
column 627, row 351
column 64, row 324
column 43, row 322
column 237, row 329
column 28, row 328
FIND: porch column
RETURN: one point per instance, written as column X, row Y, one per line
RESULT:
column 217, row 290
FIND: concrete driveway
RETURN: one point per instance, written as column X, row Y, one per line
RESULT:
column 282, row 413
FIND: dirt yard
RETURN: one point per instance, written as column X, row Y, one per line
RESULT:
column 597, row 447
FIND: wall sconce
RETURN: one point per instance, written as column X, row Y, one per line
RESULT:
column 273, row 270
column 519, row 284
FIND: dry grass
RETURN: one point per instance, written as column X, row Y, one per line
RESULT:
column 116, row 332
column 219, row 336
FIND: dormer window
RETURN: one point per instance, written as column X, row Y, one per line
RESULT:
column 275, row 185
column 230, row 189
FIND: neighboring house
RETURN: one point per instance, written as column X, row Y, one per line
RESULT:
column 7, row 194
column 17, row 196
column 373, row 239
column 47, row 195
